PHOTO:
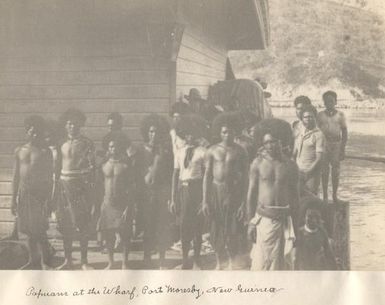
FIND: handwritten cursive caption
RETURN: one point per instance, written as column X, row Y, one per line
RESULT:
column 135, row 292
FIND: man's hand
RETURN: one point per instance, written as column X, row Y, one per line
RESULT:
column 252, row 232
column 205, row 209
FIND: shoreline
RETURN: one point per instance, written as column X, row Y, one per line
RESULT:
column 342, row 104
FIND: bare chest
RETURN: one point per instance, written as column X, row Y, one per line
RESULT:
column 74, row 150
column 117, row 169
column 274, row 171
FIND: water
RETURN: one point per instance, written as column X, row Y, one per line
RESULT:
column 363, row 185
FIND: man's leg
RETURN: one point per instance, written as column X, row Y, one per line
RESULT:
column 335, row 180
column 45, row 252
column 110, row 245
column 125, row 236
column 325, row 180
column 84, row 251
column 33, row 262
column 197, row 248
column 67, row 245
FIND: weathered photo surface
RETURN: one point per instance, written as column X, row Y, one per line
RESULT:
column 192, row 135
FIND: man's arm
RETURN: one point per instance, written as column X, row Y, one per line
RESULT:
column 344, row 136
column 294, row 195
column 50, row 180
column 15, row 182
column 252, row 192
column 174, row 187
column 344, row 140
column 207, row 180
column 244, row 164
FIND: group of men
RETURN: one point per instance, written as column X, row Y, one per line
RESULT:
column 233, row 177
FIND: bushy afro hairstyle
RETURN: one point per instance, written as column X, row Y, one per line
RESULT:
column 37, row 122
column 302, row 99
column 159, row 122
column 278, row 128
column 120, row 140
column 117, row 117
column 248, row 118
column 233, row 120
column 192, row 124
column 74, row 115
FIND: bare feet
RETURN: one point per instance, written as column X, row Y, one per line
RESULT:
column 46, row 267
column 67, row 265
column 196, row 266
column 86, row 266
column 185, row 264
column 31, row 266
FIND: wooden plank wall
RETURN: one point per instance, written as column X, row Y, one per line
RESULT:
column 98, row 66
column 202, row 56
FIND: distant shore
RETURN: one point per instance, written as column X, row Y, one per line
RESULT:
column 346, row 104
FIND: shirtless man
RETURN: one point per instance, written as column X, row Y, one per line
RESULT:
column 186, row 194
column 333, row 125
column 117, row 208
column 32, row 191
column 224, row 187
column 272, row 198
column 157, row 175
column 75, row 187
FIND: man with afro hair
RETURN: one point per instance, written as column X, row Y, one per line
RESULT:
column 186, row 194
column 75, row 187
column 117, row 208
column 224, row 187
column 272, row 201
column 32, row 191
column 157, row 175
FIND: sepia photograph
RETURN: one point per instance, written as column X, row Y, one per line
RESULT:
column 192, row 135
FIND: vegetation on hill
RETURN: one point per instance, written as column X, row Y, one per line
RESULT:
column 320, row 45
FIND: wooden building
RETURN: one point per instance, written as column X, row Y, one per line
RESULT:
column 130, row 56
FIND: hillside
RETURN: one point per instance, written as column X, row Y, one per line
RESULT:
column 318, row 45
